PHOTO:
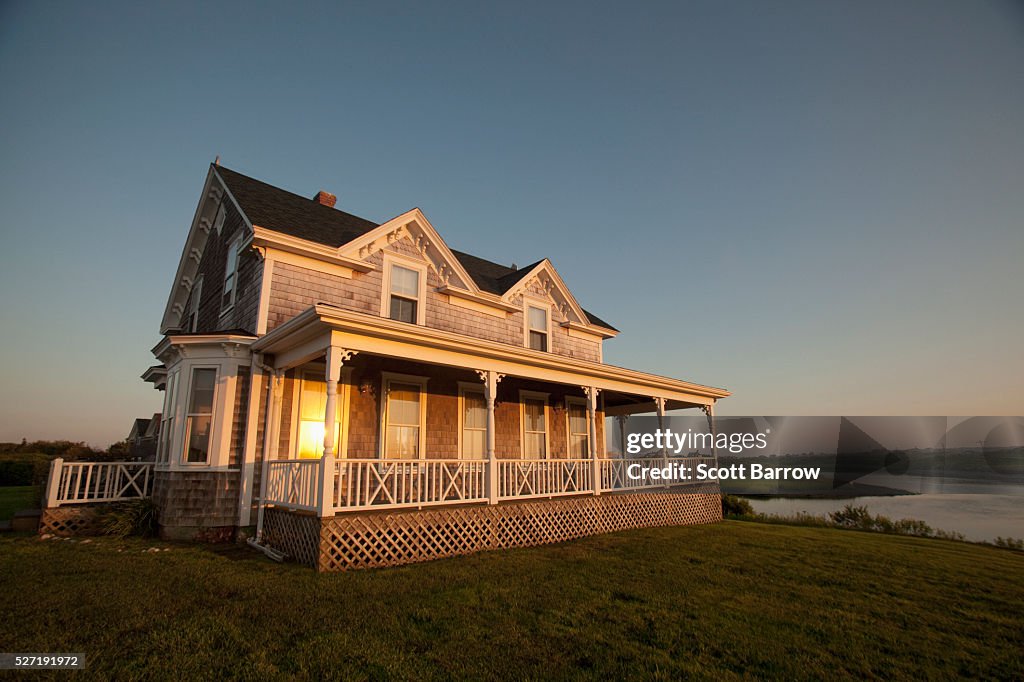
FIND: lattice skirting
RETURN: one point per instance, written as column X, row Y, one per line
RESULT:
column 68, row 521
column 371, row 540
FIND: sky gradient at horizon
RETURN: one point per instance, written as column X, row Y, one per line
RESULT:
column 819, row 206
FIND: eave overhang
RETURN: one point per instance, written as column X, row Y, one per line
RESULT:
column 307, row 335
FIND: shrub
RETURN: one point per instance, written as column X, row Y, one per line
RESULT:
column 138, row 517
column 853, row 517
column 736, row 506
column 1010, row 543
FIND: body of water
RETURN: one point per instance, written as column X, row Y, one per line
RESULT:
column 978, row 516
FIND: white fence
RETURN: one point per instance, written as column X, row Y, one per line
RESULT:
column 88, row 482
column 330, row 486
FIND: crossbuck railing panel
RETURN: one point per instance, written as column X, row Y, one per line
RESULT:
column 88, row 482
column 525, row 478
column 383, row 483
column 293, row 483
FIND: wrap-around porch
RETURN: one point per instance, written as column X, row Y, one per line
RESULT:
column 526, row 425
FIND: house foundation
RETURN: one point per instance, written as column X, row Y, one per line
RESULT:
column 372, row 540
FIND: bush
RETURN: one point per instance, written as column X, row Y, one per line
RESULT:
column 1010, row 543
column 138, row 517
column 29, row 468
column 736, row 506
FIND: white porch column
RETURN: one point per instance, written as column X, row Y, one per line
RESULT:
column 709, row 410
column 621, row 421
column 336, row 357
column 659, row 403
column 591, row 393
column 491, row 379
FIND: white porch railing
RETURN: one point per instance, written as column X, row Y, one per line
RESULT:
column 293, row 483
column 525, row 478
column 88, row 482
column 383, row 483
column 330, row 486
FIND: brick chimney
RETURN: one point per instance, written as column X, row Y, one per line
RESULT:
column 325, row 198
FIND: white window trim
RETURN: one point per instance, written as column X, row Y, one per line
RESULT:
column 193, row 312
column 387, row 378
column 581, row 402
column 236, row 244
column 464, row 388
column 534, row 395
column 544, row 305
column 212, row 444
column 167, row 420
column 391, row 259
column 221, row 216
column 344, row 399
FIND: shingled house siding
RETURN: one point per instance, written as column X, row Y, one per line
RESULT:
column 294, row 289
column 442, row 420
column 239, row 417
column 211, row 266
column 196, row 504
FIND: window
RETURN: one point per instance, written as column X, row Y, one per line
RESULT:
column 404, row 412
column 474, row 425
column 167, row 417
column 405, row 291
column 192, row 320
column 231, row 275
column 579, row 428
column 537, row 324
column 218, row 222
column 312, row 414
column 199, row 418
column 535, row 426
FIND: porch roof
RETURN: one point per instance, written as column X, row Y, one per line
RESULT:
column 309, row 334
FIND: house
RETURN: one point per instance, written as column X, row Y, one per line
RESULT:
column 142, row 437
column 366, row 395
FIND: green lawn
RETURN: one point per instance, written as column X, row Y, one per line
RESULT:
column 16, row 498
column 725, row 601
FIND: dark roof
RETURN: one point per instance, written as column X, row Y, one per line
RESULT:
column 139, row 427
column 282, row 211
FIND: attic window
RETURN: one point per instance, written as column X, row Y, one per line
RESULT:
column 192, row 320
column 218, row 222
column 230, row 275
column 538, row 329
column 404, row 291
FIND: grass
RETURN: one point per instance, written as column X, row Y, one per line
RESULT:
column 17, row 497
column 725, row 601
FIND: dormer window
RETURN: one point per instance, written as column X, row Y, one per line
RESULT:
column 538, row 327
column 404, row 291
column 231, row 275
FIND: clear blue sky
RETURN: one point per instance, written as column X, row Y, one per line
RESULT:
column 818, row 205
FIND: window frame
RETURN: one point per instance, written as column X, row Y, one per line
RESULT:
column 163, row 449
column 192, row 317
column 187, row 415
column 420, row 267
column 571, row 400
column 540, row 305
column 534, row 396
column 343, row 398
column 232, row 275
column 464, row 388
column 388, row 378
